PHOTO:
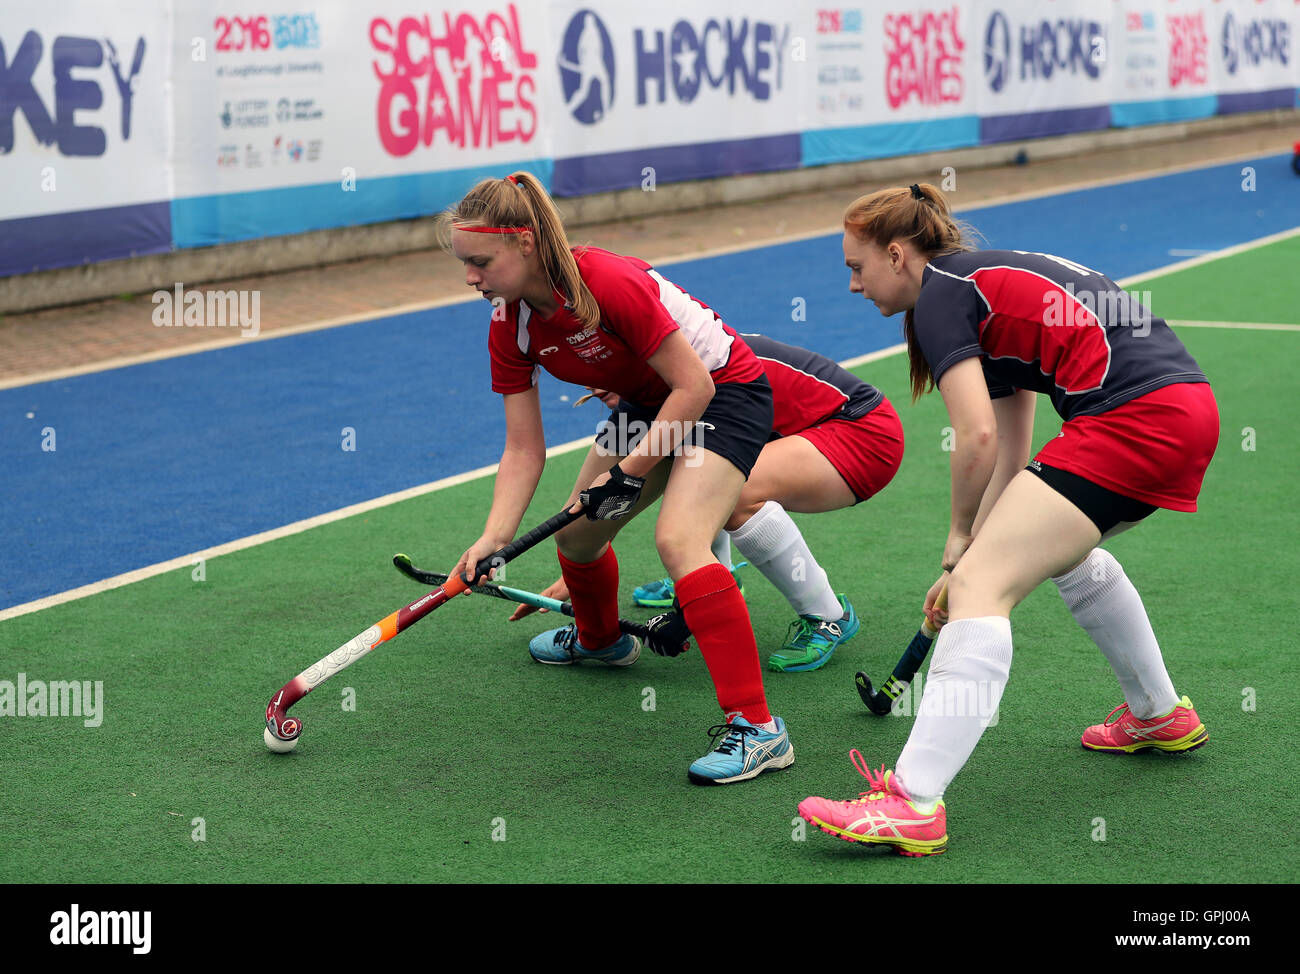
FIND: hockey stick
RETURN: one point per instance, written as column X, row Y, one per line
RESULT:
column 282, row 730
column 648, row 631
column 880, row 701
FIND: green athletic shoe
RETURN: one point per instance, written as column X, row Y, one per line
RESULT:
column 660, row 594
column 810, row 641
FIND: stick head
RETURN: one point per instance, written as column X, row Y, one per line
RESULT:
column 280, row 725
column 876, row 701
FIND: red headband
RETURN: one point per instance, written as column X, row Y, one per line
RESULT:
column 469, row 229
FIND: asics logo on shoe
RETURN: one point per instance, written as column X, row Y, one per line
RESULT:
column 759, row 753
column 876, row 822
column 1142, row 733
column 833, row 628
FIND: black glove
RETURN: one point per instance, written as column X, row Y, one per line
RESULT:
column 668, row 634
column 614, row 498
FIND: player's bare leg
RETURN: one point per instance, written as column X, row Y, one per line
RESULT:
column 793, row 475
column 1032, row 534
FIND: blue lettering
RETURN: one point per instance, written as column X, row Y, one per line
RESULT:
column 712, row 27
column 686, row 62
column 736, row 56
column 741, row 60
column 18, row 92
column 72, row 95
column 124, row 87
column 1092, row 65
column 649, row 65
column 1047, row 47
column 762, row 60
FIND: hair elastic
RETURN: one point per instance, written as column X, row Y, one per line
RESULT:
column 916, row 192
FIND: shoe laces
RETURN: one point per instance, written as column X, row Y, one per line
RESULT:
column 803, row 631
column 567, row 638
column 735, row 737
column 1107, row 722
column 876, row 778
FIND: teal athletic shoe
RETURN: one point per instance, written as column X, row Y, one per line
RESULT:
column 660, row 594
column 561, row 646
column 810, row 641
column 745, row 752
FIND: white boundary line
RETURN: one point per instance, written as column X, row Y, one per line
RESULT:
column 161, row 568
column 118, row 363
column 1242, row 325
column 1213, row 255
column 238, row 545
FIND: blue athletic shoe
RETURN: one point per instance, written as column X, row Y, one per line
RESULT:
column 810, row 641
column 561, row 646
column 745, row 752
column 660, row 594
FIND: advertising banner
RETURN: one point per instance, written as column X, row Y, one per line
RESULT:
column 671, row 91
column 891, row 79
column 301, row 117
column 146, row 125
column 1047, row 68
column 84, row 123
column 1253, row 54
column 1162, row 62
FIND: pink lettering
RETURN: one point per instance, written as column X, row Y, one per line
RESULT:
column 1188, row 50
column 468, row 77
column 923, row 54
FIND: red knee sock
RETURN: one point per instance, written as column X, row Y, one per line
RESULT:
column 593, row 590
column 719, row 620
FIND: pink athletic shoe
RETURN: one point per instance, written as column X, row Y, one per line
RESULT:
column 1178, row 730
column 884, row 815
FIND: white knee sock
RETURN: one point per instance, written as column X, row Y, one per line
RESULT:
column 722, row 550
column 1104, row 602
column 972, row 659
column 771, row 542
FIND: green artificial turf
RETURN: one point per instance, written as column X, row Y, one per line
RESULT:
column 1257, row 285
column 456, row 734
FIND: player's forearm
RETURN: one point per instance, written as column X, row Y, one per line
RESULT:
column 678, row 415
column 517, row 478
column 1015, row 419
column 971, row 467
